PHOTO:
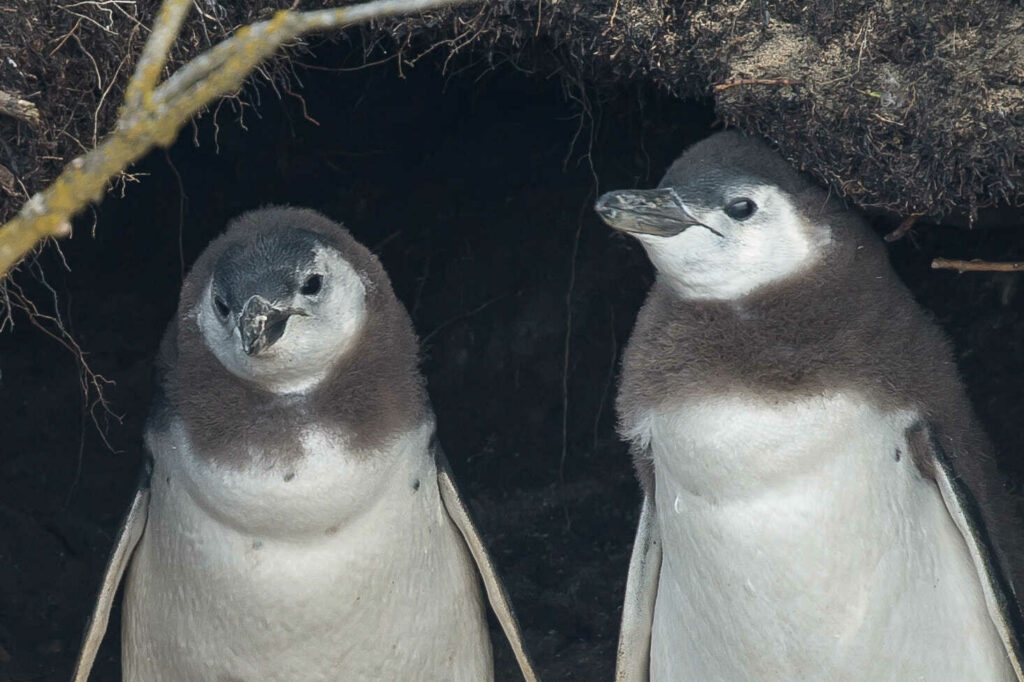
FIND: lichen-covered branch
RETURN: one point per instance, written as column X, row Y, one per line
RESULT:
column 18, row 108
column 153, row 115
column 154, row 54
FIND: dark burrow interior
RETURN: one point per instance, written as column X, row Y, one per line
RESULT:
column 475, row 189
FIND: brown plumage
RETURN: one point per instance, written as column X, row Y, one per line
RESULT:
column 375, row 392
column 845, row 324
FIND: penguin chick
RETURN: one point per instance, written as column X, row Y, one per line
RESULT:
column 819, row 501
column 297, row 519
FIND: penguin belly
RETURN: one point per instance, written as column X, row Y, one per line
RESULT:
column 333, row 567
column 800, row 542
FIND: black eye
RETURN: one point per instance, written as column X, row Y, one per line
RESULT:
column 312, row 285
column 221, row 306
column 741, row 209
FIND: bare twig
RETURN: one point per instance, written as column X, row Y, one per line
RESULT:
column 975, row 266
column 20, row 109
column 153, row 116
column 756, row 81
column 904, row 227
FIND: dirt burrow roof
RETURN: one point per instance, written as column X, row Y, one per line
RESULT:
column 909, row 107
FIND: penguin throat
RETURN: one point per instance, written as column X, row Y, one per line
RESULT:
column 733, row 275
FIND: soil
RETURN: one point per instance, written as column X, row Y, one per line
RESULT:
column 476, row 193
column 908, row 106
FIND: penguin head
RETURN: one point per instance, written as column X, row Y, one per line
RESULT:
column 282, row 304
column 725, row 220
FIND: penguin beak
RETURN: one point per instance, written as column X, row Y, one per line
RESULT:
column 261, row 324
column 657, row 212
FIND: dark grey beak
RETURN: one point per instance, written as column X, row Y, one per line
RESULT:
column 261, row 324
column 657, row 212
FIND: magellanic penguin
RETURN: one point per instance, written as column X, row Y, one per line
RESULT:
column 820, row 503
column 298, row 521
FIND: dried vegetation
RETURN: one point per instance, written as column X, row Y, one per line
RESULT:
column 910, row 107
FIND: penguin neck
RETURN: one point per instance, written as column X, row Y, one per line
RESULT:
column 841, row 323
column 292, row 389
column 736, row 270
column 373, row 392
column 742, row 299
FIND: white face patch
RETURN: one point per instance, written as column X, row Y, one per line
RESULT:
column 772, row 244
column 311, row 344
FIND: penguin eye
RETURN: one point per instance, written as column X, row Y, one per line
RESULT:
column 221, row 306
column 312, row 285
column 741, row 209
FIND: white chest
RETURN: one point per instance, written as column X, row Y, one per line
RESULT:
column 337, row 566
column 800, row 542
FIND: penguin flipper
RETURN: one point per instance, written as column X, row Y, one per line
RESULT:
column 127, row 539
column 633, row 660
column 496, row 594
column 926, row 447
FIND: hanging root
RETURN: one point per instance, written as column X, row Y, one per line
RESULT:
column 904, row 227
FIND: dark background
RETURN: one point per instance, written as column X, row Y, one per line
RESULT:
column 475, row 189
